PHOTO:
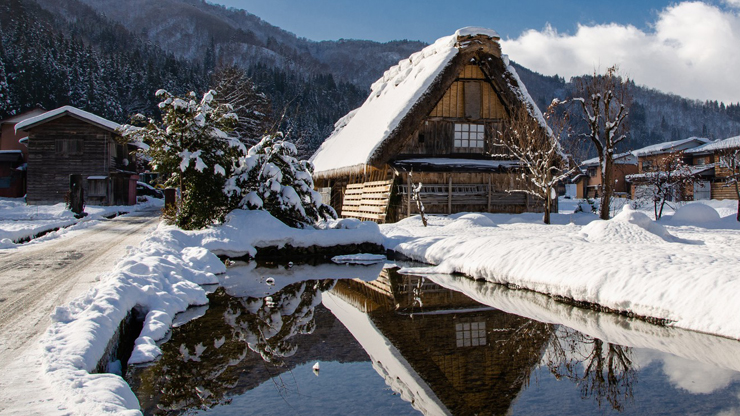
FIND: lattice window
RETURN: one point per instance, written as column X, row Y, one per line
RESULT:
column 69, row 146
column 470, row 334
column 469, row 137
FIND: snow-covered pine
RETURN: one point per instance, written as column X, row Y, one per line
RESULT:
column 270, row 177
column 192, row 150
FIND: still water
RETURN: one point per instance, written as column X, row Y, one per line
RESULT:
column 391, row 344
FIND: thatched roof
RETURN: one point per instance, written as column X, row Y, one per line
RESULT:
column 408, row 92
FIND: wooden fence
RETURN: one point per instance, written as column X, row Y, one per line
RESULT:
column 367, row 201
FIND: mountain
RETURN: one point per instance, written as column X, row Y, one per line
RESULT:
column 109, row 56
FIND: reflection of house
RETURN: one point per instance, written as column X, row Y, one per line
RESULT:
column 469, row 358
column 13, row 156
column 68, row 141
column 436, row 115
column 588, row 184
column 654, row 159
column 716, row 159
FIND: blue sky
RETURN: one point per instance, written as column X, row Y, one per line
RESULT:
column 427, row 20
column 690, row 48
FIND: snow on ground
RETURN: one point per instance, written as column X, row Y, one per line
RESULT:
column 19, row 221
column 162, row 278
column 682, row 270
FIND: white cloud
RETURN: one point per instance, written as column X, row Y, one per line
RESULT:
column 733, row 3
column 693, row 50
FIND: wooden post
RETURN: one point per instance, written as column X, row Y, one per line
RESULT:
column 490, row 175
column 408, row 196
column 449, row 196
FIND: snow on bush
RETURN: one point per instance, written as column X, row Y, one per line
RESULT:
column 270, row 177
column 470, row 220
column 628, row 226
column 696, row 213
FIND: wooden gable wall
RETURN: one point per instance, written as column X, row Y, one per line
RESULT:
column 470, row 81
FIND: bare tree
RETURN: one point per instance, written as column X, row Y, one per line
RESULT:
column 538, row 150
column 604, row 102
column 729, row 162
column 235, row 88
column 666, row 179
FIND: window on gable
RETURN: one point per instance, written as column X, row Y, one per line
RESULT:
column 470, row 334
column 469, row 137
column 68, row 147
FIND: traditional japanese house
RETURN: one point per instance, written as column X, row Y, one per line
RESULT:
column 69, row 141
column 717, row 163
column 432, row 119
column 654, row 159
column 13, row 155
column 588, row 184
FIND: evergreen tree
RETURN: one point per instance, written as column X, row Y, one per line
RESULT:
column 191, row 149
column 235, row 88
column 271, row 178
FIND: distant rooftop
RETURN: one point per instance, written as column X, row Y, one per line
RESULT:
column 67, row 110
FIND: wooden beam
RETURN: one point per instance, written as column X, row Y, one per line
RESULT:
column 449, row 195
column 408, row 196
column 489, row 192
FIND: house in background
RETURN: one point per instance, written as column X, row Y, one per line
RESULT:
column 588, row 183
column 715, row 172
column 69, row 141
column 432, row 119
column 652, row 159
column 13, row 155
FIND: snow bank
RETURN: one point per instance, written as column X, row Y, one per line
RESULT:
column 686, row 275
column 696, row 213
column 161, row 278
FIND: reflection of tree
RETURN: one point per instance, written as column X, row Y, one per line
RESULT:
column 607, row 368
column 200, row 363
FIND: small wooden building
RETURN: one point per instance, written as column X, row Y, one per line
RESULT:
column 715, row 172
column 432, row 119
column 69, row 141
column 588, row 184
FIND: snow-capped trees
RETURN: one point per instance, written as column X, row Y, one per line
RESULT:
column 192, row 150
column 603, row 102
column 666, row 179
column 538, row 151
column 270, row 177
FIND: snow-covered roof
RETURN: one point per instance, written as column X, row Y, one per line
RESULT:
column 667, row 147
column 8, row 152
column 729, row 143
column 71, row 111
column 626, row 158
column 22, row 116
column 359, row 135
column 691, row 170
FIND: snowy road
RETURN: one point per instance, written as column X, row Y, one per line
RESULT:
column 34, row 279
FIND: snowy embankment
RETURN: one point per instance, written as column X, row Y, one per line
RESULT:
column 682, row 269
column 20, row 222
column 162, row 277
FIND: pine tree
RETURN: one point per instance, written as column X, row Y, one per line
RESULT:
column 252, row 106
column 271, row 178
column 191, row 148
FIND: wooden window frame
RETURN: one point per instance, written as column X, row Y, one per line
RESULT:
column 469, row 137
column 70, row 147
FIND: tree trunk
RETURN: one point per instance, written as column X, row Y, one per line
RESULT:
column 737, row 192
column 607, row 186
column 548, row 207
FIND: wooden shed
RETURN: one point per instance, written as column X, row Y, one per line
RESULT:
column 69, row 141
column 432, row 119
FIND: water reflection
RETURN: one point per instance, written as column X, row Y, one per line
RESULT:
column 444, row 344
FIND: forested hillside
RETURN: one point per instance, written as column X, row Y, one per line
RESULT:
column 110, row 56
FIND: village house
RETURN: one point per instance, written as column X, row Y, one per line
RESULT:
column 432, row 119
column 655, row 159
column 69, row 141
column 14, row 155
column 588, row 183
column 715, row 161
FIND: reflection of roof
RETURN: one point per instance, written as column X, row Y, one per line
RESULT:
column 446, row 164
column 71, row 111
column 626, row 158
column 673, row 146
column 729, row 143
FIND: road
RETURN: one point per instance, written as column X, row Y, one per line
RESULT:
column 34, row 279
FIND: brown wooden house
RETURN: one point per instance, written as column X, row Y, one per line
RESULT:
column 716, row 172
column 431, row 119
column 588, row 184
column 69, row 141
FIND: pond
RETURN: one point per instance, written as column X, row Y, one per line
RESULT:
column 365, row 340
